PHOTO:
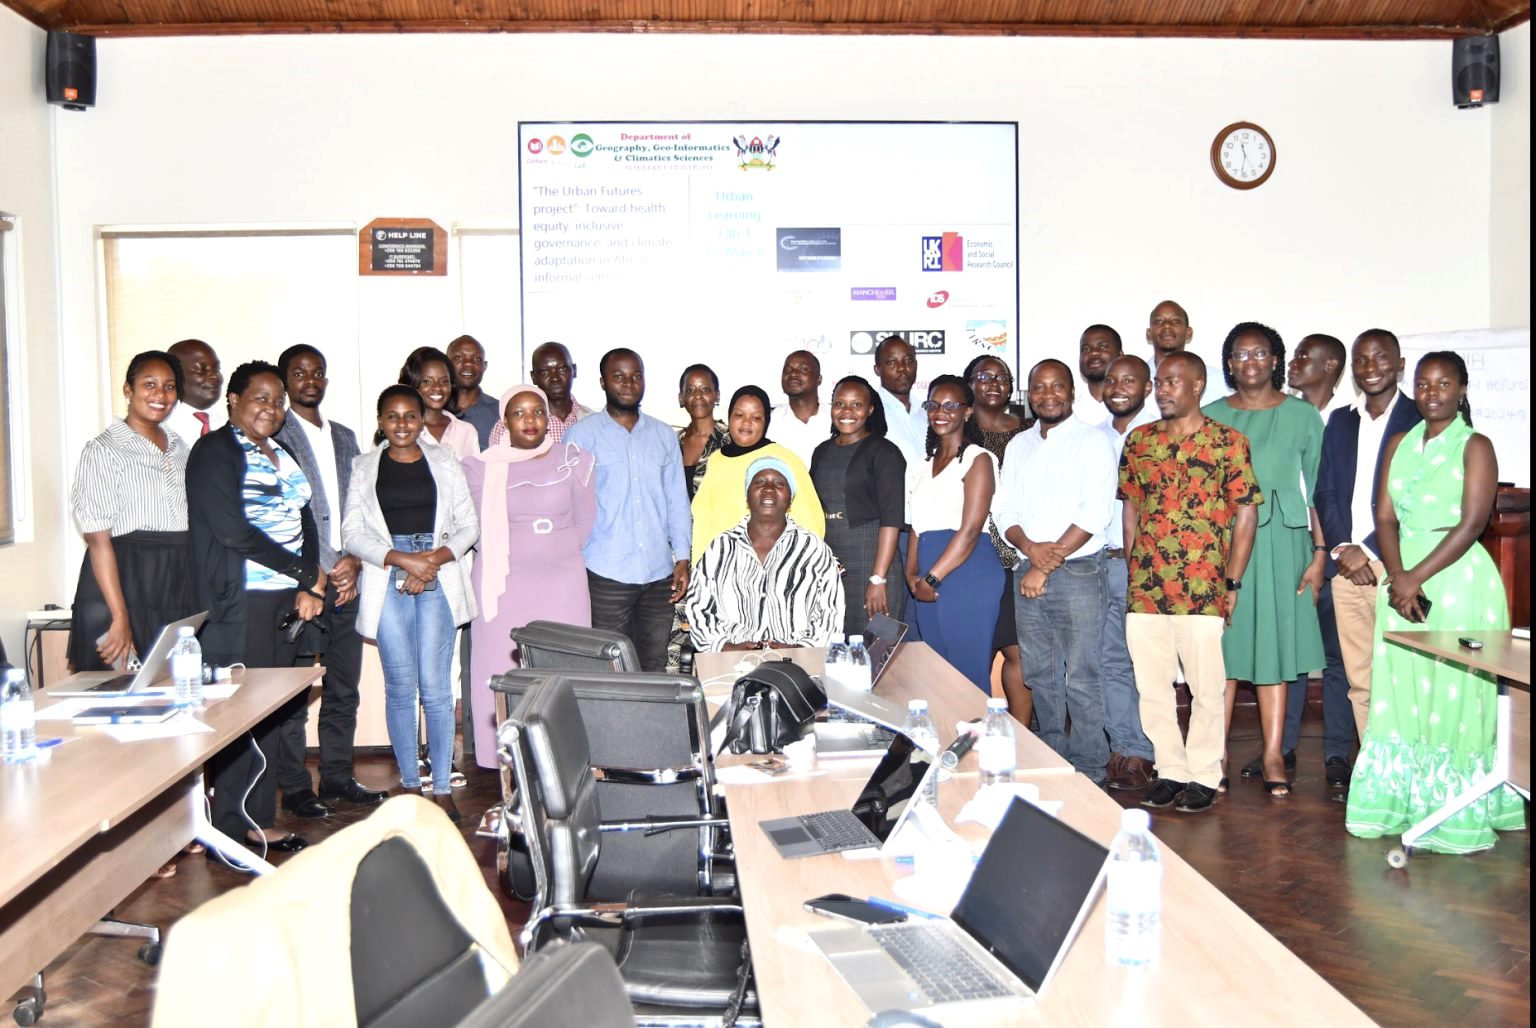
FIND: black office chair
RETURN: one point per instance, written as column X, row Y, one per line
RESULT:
column 649, row 738
column 679, row 956
column 551, row 644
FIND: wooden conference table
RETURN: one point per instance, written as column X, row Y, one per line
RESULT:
column 1218, row 965
column 87, row 823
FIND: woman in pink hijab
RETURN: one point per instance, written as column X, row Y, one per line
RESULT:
column 537, row 502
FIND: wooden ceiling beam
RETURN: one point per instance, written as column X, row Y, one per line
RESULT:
column 1194, row 31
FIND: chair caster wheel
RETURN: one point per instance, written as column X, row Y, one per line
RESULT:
column 28, row 1011
column 150, row 953
column 1397, row 857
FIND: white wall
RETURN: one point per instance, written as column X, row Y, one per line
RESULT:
column 1378, row 212
column 1509, row 214
column 31, row 571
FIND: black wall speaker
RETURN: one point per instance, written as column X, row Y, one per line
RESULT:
column 71, row 76
column 1475, row 71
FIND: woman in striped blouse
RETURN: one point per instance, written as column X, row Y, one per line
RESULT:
column 130, row 502
column 768, row 581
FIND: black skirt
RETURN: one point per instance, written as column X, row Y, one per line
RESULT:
column 155, row 571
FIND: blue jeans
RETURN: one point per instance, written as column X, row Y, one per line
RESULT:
column 416, row 649
column 1122, row 703
column 1338, row 712
column 1061, row 642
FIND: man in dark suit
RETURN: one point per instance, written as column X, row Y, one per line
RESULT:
column 1347, row 482
column 324, row 449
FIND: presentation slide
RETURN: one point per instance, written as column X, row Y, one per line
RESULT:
column 736, row 243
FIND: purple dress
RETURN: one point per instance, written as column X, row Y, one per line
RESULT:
column 551, row 505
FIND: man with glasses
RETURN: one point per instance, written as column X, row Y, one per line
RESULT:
column 1054, row 504
column 1353, row 443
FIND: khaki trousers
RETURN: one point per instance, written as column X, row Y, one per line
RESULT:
column 1354, row 612
column 1159, row 643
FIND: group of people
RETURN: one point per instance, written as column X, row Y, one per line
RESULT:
column 1139, row 522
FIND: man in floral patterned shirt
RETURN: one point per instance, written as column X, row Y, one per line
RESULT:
column 1190, row 514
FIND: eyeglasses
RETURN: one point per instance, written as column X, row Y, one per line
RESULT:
column 948, row 406
column 1244, row 356
column 991, row 376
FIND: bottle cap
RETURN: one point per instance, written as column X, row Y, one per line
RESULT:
column 917, row 705
column 855, row 640
column 1134, row 819
column 184, row 631
column 996, row 703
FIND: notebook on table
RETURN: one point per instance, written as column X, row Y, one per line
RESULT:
column 884, row 805
column 1006, row 938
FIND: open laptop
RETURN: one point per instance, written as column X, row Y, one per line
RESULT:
column 859, row 723
column 97, row 683
column 1005, row 940
column 883, row 806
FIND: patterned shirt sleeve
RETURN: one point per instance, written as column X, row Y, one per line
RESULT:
column 1241, row 486
column 1130, row 481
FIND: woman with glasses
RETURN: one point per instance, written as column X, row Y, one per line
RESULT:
column 992, row 383
column 957, row 584
column 1274, row 634
column 861, row 476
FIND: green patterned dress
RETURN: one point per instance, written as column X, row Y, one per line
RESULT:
column 1431, row 727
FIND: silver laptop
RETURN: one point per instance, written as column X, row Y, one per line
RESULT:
column 883, row 806
column 1005, row 940
column 97, row 683
column 859, row 723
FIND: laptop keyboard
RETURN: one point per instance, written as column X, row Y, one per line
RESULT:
column 117, row 684
column 944, row 969
column 835, row 830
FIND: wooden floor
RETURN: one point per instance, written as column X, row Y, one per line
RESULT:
column 1447, row 940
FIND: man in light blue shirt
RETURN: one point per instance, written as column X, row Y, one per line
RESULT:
column 637, row 555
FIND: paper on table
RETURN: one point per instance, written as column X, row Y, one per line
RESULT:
column 182, row 724
column 990, row 803
column 219, row 691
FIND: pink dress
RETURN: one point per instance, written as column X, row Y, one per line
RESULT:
column 551, row 505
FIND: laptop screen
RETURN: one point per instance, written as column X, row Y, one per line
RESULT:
column 891, row 788
column 881, row 638
column 1028, row 895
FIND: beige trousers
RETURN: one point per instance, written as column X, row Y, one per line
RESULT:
column 1159, row 643
column 1354, row 612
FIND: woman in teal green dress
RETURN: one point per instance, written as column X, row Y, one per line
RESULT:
column 1273, row 635
column 1430, row 732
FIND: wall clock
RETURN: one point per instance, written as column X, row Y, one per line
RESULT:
column 1243, row 155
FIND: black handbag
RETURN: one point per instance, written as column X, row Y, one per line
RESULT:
column 770, row 707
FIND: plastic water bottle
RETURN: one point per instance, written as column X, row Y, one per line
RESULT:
column 920, row 729
column 18, row 719
column 858, row 664
column 187, row 669
column 1135, row 893
column 996, row 750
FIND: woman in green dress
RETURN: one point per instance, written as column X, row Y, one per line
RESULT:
column 1430, row 732
column 1274, row 634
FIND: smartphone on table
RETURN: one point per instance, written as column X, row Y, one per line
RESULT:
column 857, row 911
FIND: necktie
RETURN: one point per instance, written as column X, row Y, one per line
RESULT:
column 202, row 419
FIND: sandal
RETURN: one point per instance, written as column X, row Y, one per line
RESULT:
column 1278, row 790
column 166, row 871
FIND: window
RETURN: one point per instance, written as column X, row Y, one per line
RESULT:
column 250, row 294
column 8, row 338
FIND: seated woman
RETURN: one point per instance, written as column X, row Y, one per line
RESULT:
column 768, row 582
column 718, row 505
column 410, row 519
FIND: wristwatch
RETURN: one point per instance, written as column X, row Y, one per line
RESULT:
column 876, row 579
column 1234, row 584
column 933, row 580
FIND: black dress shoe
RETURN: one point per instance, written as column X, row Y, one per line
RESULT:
column 1164, row 792
column 1338, row 771
column 1196, row 798
column 307, row 806
column 352, row 791
column 287, row 844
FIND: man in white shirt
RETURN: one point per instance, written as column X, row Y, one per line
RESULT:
column 1098, row 346
column 1169, row 331
column 1053, row 505
column 1347, row 479
column 202, row 409
column 804, row 422
column 906, row 423
column 1127, row 387
column 324, row 449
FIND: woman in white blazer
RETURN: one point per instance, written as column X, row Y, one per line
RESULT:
column 411, row 521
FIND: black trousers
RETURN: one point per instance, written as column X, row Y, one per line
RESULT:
column 641, row 612
column 235, row 772
column 340, row 649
